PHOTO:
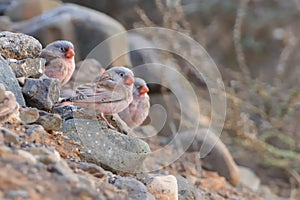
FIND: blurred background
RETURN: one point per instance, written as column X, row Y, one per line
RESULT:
column 253, row 42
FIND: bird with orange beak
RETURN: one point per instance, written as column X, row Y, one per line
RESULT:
column 137, row 111
column 109, row 93
column 60, row 63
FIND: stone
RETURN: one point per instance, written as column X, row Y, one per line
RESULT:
column 19, row 46
column 9, row 137
column 45, row 155
column 185, row 190
column 41, row 93
column 28, row 68
column 69, row 22
column 248, row 178
column 26, row 9
column 163, row 187
column 62, row 168
column 9, row 107
column 28, row 115
column 17, row 194
column 66, row 112
column 219, row 159
column 8, row 79
column 106, row 147
column 27, row 156
column 92, row 168
column 134, row 188
column 50, row 121
column 2, row 92
column 35, row 133
column 86, row 188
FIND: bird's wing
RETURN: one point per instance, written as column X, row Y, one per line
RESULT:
column 90, row 93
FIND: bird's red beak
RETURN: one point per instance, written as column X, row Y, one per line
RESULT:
column 129, row 80
column 70, row 53
column 144, row 89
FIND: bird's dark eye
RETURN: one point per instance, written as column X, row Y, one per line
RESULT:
column 63, row 49
column 122, row 74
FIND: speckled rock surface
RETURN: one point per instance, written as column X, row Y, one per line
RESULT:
column 19, row 46
column 185, row 190
column 28, row 68
column 107, row 147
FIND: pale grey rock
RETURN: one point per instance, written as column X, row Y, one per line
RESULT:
column 50, row 121
column 19, row 46
column 185, row 190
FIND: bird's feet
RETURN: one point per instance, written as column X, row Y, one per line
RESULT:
column 102, row 117
column 122, row 126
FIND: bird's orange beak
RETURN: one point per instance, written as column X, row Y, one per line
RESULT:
column 70, row 53
column 144, row 89
column 129, row 80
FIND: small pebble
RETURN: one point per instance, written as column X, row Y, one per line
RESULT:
column 50, row 122
column 45, row 155
column 163, row 187
column 28, row 115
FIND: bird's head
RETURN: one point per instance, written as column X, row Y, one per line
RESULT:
column 63, row 48
column 140, row 87
column 122, row 74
